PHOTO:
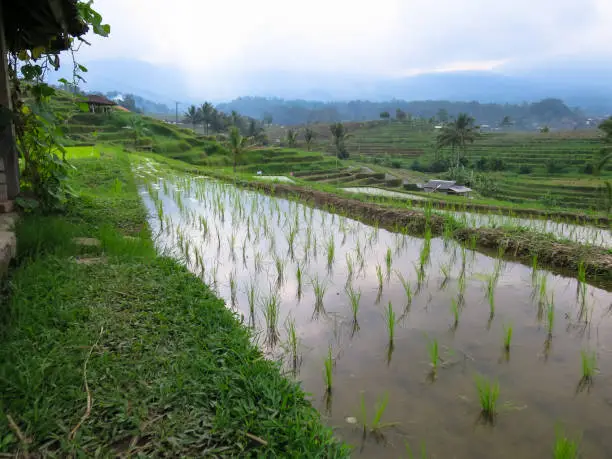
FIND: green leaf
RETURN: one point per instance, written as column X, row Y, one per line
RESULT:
column 84, row 107
column 82, row 68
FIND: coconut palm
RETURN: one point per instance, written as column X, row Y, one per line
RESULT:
column 206, row 112
column 192, row 116
column 238, row 145
column 309, row 136
column 292, row 137
column 457, row 135
column 340, row 134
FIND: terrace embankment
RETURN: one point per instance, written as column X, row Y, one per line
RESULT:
column 519, row 244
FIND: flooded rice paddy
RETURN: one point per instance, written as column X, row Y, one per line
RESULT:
column 578, row 233
column 429, row 317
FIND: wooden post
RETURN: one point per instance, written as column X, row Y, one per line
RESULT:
column 9, row 178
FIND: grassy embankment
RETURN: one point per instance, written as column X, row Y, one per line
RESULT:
column 112, row 350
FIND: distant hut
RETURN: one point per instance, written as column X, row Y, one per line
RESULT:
column 100, row 104
column 445, row 186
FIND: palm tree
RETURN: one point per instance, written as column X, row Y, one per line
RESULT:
column 192, row 116
column 339, row 134
column 457, row 135
column 309, row 136
column 238, row 144
column 206, row 112
column 292, row 137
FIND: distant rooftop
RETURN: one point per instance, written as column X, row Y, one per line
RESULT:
column 99, row 100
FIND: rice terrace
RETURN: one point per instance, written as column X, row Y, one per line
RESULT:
column 269, row 277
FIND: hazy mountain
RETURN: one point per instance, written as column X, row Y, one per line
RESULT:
column 583, row 85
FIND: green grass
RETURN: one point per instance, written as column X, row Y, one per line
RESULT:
column 589, row 365
column 170, row 370
column 507, row 337
column 328, row 366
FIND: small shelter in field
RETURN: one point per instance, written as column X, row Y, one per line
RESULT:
column 100, row 104
column 445, row 186
column 25, row 25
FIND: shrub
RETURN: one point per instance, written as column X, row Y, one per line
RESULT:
column 525, row 169
column 497, row 164
column 416, row 166
column 440, row 165
column 554, row 167
column 588, row 168
column 396, row 164
column 482, row 165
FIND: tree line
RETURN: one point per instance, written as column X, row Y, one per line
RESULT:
column 216, row 121
column 552, row 112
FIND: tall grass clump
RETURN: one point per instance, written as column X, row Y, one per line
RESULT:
column 279, row 263
column 434, row 355
column 488, row 393
column 251, row 294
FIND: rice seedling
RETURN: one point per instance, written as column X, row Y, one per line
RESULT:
column 406, row 285
column 349, row 266
column 331, row 248
column 354, row 299
column 379, row 276
column 375, row 426
column 390, row 322
column 258, row 263
column 319, row 287
column 298, row 277
column 455, row 312
column 565, row 448
column 389, row 262
column 550, row 314
column 251, row 294
column 422, row 455
column 491, row 295
column 581, row 286
column 488, row 393
column 507, row 337
column 589, row 366
column 271, row 309
column 279, row 263
column 434, row 355
column 292, row 344
column 232, row 282
column 328, row 365
column 445, row 270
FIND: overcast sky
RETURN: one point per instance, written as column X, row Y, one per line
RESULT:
column 222, row 40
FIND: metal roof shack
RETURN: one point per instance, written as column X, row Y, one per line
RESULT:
column 459, row 190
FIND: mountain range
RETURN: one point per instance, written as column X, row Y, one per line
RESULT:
column 585, row 85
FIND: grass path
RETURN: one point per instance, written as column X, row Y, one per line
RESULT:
column 129, row 353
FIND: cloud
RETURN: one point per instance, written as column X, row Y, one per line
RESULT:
column 220, row 44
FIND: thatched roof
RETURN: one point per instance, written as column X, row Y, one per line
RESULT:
column 48, row 23
column 99, row 100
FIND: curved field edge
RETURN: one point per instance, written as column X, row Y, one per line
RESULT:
column 519, row 244
column 111, row 350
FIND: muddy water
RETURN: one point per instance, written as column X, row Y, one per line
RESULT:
column 538, row 379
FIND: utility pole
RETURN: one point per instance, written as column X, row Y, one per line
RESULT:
column 176, row 112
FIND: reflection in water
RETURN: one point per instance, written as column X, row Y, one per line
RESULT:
column 270, row 260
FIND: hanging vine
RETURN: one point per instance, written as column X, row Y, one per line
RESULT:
column 38, row 127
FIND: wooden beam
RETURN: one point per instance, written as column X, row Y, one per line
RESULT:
column 8, row 148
